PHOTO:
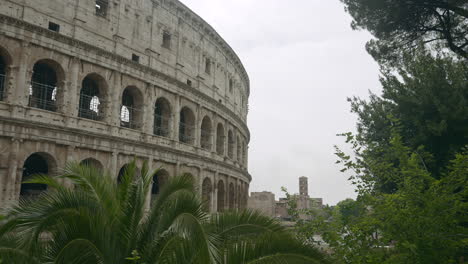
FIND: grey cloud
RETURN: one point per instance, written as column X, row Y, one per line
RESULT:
column 303, row 60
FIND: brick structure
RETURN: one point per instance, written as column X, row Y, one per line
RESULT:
column 265, row 202
column 105, row 82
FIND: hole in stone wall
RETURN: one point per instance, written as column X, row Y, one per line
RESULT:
column 205, row 135
column 135, row 58
column 54, row 27
column 166, row 42
column 208, row 66
column 159, row 179
column 34, row 164
column 101, row 8
column 220, row 139
column 2, row 77
column 187, row 126
column 162, row 117
column 90, row 103
column 221, row 195
column 43, row 89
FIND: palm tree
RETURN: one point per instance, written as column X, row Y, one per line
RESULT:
column 102, row 221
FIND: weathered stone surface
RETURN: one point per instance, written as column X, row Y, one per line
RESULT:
column 153, row 49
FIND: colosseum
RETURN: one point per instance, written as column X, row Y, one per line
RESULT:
column 104, row 82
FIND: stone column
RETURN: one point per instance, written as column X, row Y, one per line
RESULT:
column 176, row 118
column 148, row 111
column 113, row 115
column 214, row 203
column 70, row 158
column 18, row 95
column 177, row 169
column 73, row 93
column 226, row 140
column 148, row 195
column 113, row 168
column 198, row 123
column 14, row 178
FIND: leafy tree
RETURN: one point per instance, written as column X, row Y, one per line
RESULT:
column 423, row 221
column 428, row 98
column 101, row 221
column 400, row 26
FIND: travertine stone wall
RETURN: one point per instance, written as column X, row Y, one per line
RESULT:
column 263, row 202
column 124, row 47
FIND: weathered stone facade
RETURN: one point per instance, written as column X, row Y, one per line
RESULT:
column 263, row 202
column 105, row 82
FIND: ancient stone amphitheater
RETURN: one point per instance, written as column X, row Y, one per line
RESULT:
column 104, row 82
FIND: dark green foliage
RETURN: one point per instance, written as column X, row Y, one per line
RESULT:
column 101, row 221
column 428, row 100
column 399, row 26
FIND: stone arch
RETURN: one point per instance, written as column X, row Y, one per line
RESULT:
column 205, row 133
column 160, row 178
column 131, row 110
column 93, row 95
column 162, row 117
column 230, row 144
column 206, row 194
column 36, row 163
column 187, row 126
column 221, row 196
column 93, row 163
column 123, row 169
column 45, row 90
column 232, row 196
column 220, row 139
column 5, row 62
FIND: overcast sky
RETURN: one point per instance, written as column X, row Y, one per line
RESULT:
column 303, row 60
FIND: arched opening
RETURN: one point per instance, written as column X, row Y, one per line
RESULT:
column 221, row 195
column 187, row 126
column 3, row 67
column 239, row 150
column 205, row 135
column 91, row 97
column 131, row 108
column 206, row 194
column 162, row 117
column 37, row 163
column 90, row 162
column 230, row 144
column 159, row 179
column 124, row 170
column 43, row 90
column 232, row 196
column 220, row 139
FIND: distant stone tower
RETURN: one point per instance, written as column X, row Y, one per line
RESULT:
column 303, row 186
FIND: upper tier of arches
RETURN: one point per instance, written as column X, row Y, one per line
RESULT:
column 163, row 35
column 96, row 101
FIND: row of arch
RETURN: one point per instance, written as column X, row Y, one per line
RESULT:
column 45, row 92
column 227, row 196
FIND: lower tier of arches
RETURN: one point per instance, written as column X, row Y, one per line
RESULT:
column 30, row 150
